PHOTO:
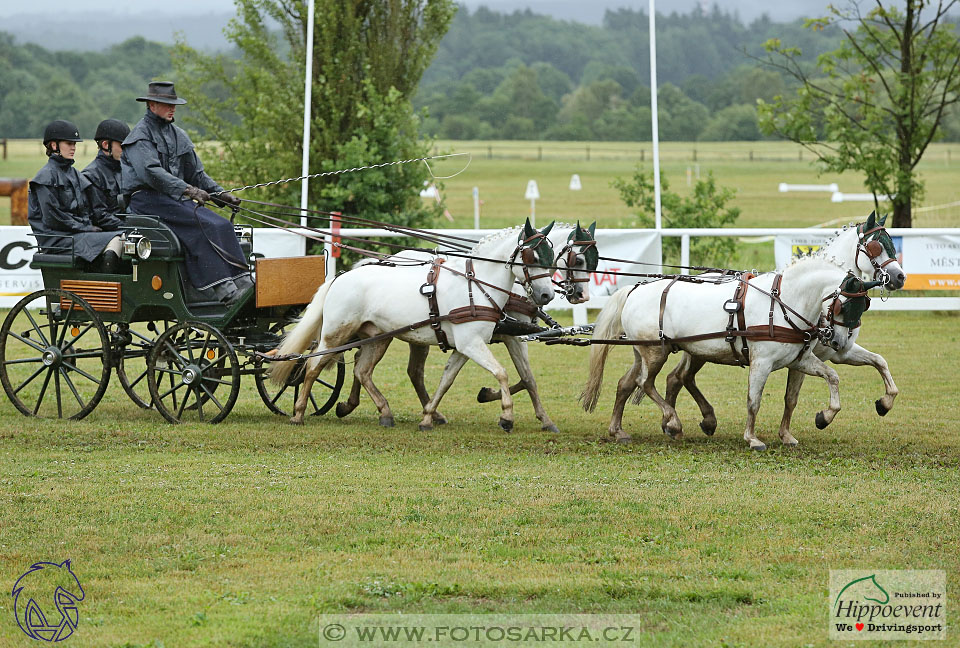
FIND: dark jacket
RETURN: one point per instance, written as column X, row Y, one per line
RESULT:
column 160, row 156
column 61, row 213
column 104, row 176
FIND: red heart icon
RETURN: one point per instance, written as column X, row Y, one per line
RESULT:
column 859, row 626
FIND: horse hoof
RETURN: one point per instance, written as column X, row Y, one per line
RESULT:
column 673, row 433
column 707, row 428
column 386, row 421
column 758, row 445
column 506, row 425
column 425, row 428
column 343, row 409
column 625, row 439
column 551, row 428
column 296, row 421
column 439, row 419
column 881, row 410
column 486, row 395
column 821, row 421
column 790, row 444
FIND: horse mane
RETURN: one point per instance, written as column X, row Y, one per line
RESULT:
column 822, row 251
column 496, row 236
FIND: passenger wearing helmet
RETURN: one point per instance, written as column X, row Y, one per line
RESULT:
column 59, row 207
column 163, row 176
column 104, row 171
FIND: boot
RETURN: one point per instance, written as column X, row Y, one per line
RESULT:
column 109, row 262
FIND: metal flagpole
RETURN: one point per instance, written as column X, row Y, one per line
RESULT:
column 307, row 100
column 653, row 110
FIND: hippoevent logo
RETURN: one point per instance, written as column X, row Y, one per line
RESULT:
column 45, row 601
column 887, row 604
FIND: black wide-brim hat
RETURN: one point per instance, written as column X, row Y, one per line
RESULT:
column 162, row 92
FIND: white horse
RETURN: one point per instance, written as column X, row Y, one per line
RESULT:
column 372, row 300
column 850, row 250
column 576, row 258
column 698, row 309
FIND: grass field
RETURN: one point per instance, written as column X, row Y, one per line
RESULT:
column 241, row 534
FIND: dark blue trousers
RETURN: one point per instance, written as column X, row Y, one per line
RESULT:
column 210, row 246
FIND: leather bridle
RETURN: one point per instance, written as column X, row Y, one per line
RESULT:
column 873, row 250
column 526, row 250
column 569, row 254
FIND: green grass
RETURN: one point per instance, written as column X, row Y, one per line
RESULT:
column 241, row 534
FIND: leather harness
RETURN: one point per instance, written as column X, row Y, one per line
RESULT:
column 471, row 313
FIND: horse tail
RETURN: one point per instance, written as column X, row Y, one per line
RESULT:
column 608, row 326
column 298, row 340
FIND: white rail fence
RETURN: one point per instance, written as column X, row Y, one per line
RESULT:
column 685, row 235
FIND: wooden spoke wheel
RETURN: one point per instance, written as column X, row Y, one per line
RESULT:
column 193, row 374
column 280, row 399
column 132, row 362
column 54, row 356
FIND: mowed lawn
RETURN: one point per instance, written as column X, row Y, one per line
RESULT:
column 240, row 534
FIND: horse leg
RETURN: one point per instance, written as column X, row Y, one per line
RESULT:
column 521, row 360
column 814, row 366
column 312, row 370
column 759, row 372
column 685, row 374
column 454, row 365
column 367, row 359
column 790, row 397
column 345, row 407
column 653, row 360
column 859, row 356
column 625, row 387
column 415, row 366
column 477, row 350
column 488, row 394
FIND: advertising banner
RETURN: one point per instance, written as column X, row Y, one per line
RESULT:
column 932, row 262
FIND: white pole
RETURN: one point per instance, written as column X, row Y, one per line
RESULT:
column 307, row 100
column 653, row 110
column 533, row 212
column 476, row 208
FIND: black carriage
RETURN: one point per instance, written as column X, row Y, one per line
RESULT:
column 172, row 349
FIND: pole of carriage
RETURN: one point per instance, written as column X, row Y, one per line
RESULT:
column 307, row 101
column 654, row 124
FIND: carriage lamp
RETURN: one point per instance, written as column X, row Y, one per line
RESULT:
column 138, row 246
column 244, row 234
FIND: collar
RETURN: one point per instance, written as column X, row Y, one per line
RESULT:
column 61, row 161
column 113, row 165
column 157, row 120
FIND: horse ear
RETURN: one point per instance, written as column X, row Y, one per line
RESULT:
column 527, row 228
column 871, row 220
column 882, row 220
column 546, row 230
column 593, row 229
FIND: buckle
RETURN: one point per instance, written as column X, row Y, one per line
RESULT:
column 428, row 290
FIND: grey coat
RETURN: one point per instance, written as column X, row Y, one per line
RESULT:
column 61, row 214
column 103, row 173
column 160, row 156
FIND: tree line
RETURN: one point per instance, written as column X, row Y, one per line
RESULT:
column 494, row 76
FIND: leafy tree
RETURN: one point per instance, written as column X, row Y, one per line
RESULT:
column 879, row 99
column 706, row 207
column 680, row 118
column 733, row 123
column 367, row 62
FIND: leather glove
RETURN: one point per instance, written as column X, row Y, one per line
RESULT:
column 225, row 199
column 194, row 193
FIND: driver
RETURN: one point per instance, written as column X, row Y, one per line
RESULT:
column 163, row 176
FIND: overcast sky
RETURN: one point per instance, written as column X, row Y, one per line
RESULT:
column 583, row 10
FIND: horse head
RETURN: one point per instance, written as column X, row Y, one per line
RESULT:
column 43, row 581
column 848, row 305
column 576, row 260
column 536, row 254
column 877, row 246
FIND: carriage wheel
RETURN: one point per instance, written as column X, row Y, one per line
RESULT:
column 54, row 358
column 280, row 399
column 132, row 363
column 186, row 366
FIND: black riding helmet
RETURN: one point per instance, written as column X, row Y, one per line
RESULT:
column 61, row 131
column 112, row 129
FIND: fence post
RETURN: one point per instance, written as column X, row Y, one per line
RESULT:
column 4, row 148
column 685, row 254
column 642, row 154
column 17, row 189
column 751, row 156
column 694, row 155
column 489, row 152
column 539, row 153
column 800, row 155
column 588, row 152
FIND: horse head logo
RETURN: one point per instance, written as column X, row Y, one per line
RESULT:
column 44, row 593
column 868, row 588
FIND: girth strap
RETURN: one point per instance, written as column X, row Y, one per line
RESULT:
column 736, row 323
